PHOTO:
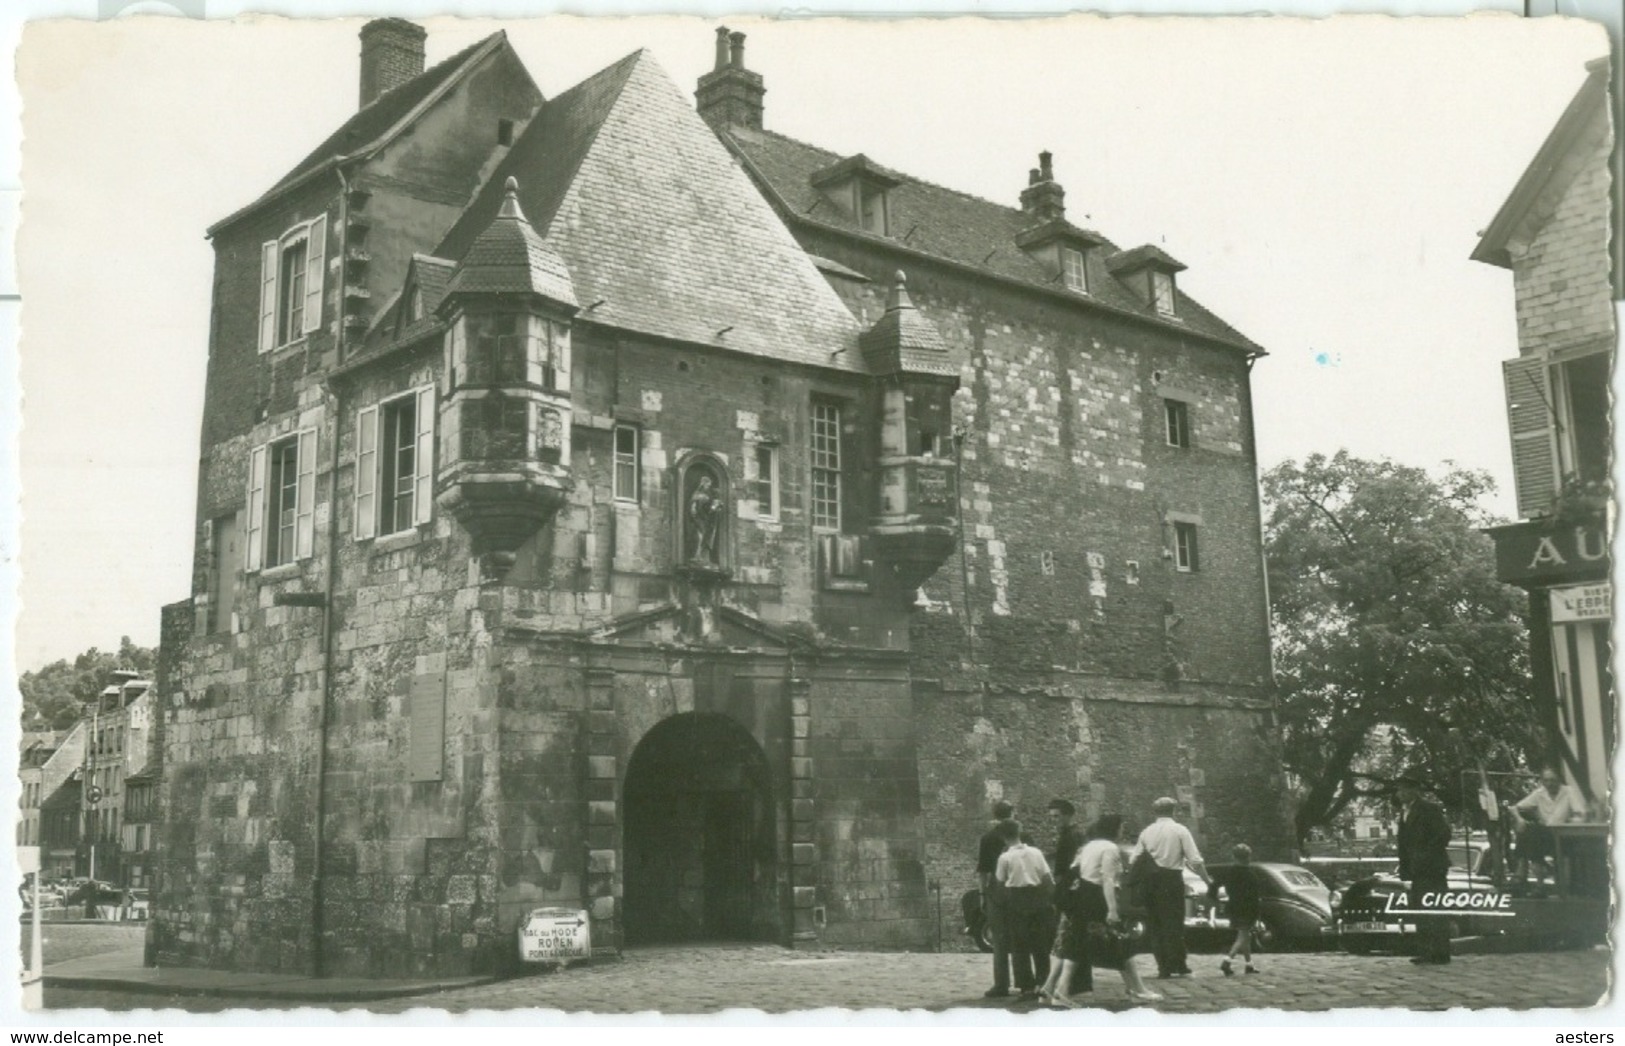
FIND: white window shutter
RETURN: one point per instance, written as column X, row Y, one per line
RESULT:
column 268, row 269
column 304, row 519
column 423, row 490
column 366, row 474
column 1532, row 421
column 315, row 269
column 256, row 508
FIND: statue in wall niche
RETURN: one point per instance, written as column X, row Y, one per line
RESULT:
column 704, row 520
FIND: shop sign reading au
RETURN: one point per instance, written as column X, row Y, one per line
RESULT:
column 555, row 935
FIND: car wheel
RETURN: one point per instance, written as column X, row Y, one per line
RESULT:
column 984, row 941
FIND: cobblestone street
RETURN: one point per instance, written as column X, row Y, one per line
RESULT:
column 712, row 979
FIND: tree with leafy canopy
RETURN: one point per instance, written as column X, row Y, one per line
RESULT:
column 1395, row 644
column 54, row 697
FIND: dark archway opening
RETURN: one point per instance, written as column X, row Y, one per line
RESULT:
column 699, row 837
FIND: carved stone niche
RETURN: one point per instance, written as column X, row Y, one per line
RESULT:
column 702, row 538
column 702, row 541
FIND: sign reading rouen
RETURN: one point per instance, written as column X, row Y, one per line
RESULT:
column 1547, row 552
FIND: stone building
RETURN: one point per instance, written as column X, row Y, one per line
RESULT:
column 609, row 505
column 61, row 796
column 117, row 746
column 1553, row 234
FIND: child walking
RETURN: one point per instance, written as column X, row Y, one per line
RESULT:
column 1240, row 882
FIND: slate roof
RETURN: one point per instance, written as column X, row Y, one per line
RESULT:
column 1145, row 256
column 949, row 225
column 377, row 122
column 903, row 340
column 430, row 275
column 660, row 230
column 510, row 257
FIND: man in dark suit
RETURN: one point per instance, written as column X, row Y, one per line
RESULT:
column 1424, row 862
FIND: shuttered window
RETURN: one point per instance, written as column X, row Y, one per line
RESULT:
column 1532, row 421
column 291, row 283
column 394, row 464
column 366, row 473
column 282, row 501
column 426, row 746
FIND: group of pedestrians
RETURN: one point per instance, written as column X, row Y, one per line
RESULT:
column 1076, row 911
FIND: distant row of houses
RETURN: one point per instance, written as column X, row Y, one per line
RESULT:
column 89, row 793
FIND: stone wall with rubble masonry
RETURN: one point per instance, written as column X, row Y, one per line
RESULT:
column 1097, row 672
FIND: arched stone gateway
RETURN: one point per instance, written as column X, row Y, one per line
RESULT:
column 700, row 840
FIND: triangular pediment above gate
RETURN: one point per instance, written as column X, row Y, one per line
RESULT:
column 669, row 624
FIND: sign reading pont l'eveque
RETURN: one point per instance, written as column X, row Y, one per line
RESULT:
column 555, row 935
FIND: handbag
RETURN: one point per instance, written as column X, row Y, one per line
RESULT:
column 1112, row 946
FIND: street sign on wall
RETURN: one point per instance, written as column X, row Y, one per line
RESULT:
column 555, row 935
column 1583, row 603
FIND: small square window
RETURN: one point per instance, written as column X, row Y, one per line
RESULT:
column 626, row 463
column 1185, row 557
column 504, row 132
column 1072, row 271
column 767, row 481
column 1162, row 292
column 1176, row 415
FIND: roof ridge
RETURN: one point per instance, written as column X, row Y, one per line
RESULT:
column 622, row 68
column 337, row 145
column 963, row 194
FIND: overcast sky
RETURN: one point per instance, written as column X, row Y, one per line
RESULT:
column 1324, row 182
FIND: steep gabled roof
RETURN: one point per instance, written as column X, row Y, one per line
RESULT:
column 951, row 226
column 659, row 229
column 1547, row 174
column 378, row 123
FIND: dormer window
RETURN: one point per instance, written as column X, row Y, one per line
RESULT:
column 1162, row 292
column 1149, row 270
column 1072, row 270
column 860, row 187
column 414, row 310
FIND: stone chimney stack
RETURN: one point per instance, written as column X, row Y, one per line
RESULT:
column 1044, row 199
column 391, row 54
column 730, row 94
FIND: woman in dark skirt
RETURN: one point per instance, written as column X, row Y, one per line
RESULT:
column 1094, row 932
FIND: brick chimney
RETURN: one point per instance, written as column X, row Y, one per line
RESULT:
column 391, row 54
column 1044, row 198
column 730, row 94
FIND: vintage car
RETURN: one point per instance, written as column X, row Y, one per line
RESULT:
column 1294, row 908
column 1367, row 920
